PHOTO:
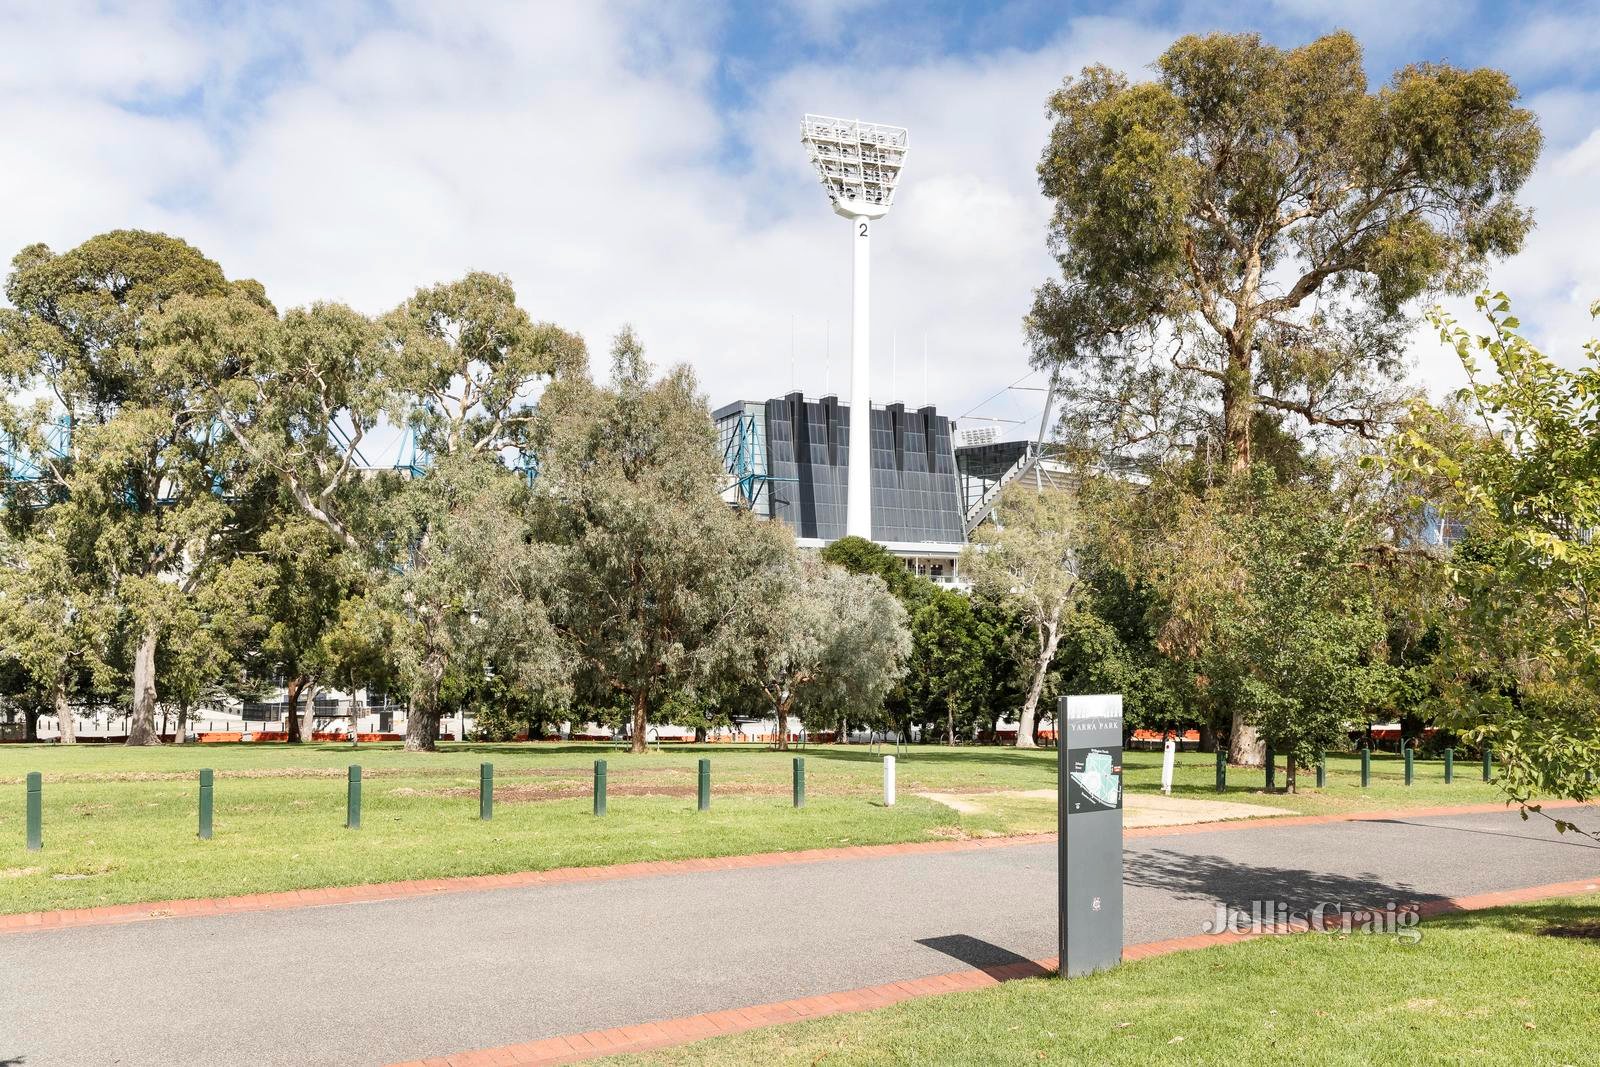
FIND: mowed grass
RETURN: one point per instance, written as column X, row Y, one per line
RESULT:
column 1494, row 987
column 120, row 824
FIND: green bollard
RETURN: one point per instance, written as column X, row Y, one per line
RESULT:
column 1488, row 764
column 1449, row 765
column 352, row 804
column 205, row 804
column 485, row 791
column 1322, row 769
column 599, row 787
column 35, row 811
column 1411, row 770
column 705, row 785
column 1272, row 769
column 799, row 782
column 1366, row 766
column 1222, row 771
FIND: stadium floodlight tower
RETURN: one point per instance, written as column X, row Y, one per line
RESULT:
column 859, row 164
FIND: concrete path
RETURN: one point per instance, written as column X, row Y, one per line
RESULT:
column 1138, row 809
column 379, row 982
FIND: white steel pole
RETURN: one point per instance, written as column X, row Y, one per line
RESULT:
column 888, row 781
column 858, row 515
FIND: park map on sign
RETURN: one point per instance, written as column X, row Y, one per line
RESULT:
column 1096, row 780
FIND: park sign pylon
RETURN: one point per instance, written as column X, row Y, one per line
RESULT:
column 1089, row 821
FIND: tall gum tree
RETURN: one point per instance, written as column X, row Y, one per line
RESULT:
column 143, row 471
column 1250, row 232
column 456, row 365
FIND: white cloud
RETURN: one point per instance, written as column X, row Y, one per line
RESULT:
column 580, row 150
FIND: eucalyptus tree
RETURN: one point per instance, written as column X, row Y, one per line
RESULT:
column 818, row 641
column 313, row 575
column 456, row 366
column 1248, row 232
column 651, row 558
column 963, row 652
column 212, row 640
column 465, row 591
column 1029, row 561
column 129, row 462
column 56, row 627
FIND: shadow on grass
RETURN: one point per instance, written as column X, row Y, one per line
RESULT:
column 1570, row 918
column 1239, row 885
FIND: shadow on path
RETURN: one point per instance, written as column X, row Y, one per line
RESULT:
column 1238, row 885
column 996, row 962
column 1543, row 839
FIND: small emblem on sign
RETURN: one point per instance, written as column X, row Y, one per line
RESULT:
column 1096, row 903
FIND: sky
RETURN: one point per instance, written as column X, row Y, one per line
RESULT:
column 639, row 162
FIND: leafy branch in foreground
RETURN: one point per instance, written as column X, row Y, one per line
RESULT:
column 1522, row 476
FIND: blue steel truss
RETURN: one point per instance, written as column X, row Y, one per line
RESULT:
column 23, row 465
column 745, row 457
column 22, row 468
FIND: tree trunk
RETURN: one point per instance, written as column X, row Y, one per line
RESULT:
column 1208, row 738
column 641, row 721
column 422, row 729
column 142, row 721
column 183, row 723
column 1288, row 776
column 30, row 725
column 949, row 725
column 291, row 715
column 69, row 728
column 780, row 713
column 1245, row 748
column 1031, row 704
column 1237, row 400
column 308, row 700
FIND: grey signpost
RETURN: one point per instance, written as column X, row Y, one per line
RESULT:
column 1089, row 821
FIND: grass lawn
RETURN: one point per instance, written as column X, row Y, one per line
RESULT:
column 119, row 823
column 1493, row 987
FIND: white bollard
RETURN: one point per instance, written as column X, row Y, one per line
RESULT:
column 1167, row 757
column 888, row 781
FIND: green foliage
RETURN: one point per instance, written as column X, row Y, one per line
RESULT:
column 818, row 642
column 1521, row 665
column 1028, row 562
column 951, row 684
column 1247, row 230
column 649, row 560
column 1267, row 605
column 464, row 593
column 860, row 556
column 464, row 358
column 963, row 670
column 150, row 498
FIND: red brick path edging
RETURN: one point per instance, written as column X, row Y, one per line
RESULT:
column 117, row 914
column 592, row 1044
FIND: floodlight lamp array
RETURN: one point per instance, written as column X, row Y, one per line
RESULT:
column 859, row 162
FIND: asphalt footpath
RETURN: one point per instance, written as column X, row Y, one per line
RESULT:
column 376, row 983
